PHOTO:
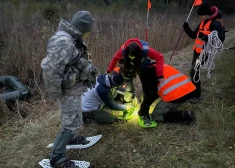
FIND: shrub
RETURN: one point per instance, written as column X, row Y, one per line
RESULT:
column 51, row 13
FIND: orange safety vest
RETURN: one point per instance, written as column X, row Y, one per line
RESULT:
column 174, row 85
column 205, row 30
column 117, row 69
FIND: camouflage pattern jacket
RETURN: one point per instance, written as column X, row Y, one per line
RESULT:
column 66, row 66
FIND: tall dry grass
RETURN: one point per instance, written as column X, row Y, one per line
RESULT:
column 23, row 139
column 25, row 38
column 24, row 34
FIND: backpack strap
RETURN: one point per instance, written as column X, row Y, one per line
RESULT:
column 145, row 47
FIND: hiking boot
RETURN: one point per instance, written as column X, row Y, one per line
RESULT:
column 64, row 164
column 195, row 100
column 80, row 140
column 146, row 122
column 189, row 117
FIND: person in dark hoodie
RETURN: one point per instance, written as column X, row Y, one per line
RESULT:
column 209, row 22
column 101, row 95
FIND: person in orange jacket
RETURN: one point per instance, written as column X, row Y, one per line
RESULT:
column 174, row 90
column 209, row 22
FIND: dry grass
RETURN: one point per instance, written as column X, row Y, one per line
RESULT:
column 25, row 38
column 32, row 125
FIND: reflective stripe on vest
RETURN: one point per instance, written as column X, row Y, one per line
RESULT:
column 198, row 46
column 168, row 90
column 169, row 79
column 205, row 30
column 175, row 84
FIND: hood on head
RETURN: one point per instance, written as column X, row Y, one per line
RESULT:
column 67, row 27
column 104, row 80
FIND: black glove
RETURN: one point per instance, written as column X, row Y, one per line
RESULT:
column 159, row 79
column 91, row 84
column 203, row 36
column 92, row 77
column 185, row 25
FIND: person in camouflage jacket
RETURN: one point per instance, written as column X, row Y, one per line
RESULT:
column 67, row 72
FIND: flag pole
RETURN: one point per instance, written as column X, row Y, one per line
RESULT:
column 147, row 22
column 190, row 13
column 147, row 26
column 181, row 33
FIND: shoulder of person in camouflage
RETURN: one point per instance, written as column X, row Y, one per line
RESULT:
column 66, row 62
column 67, row 27
column 60, row 50
column 81, row 63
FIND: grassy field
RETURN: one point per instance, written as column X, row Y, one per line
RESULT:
column 25, row 133
column 208, row 144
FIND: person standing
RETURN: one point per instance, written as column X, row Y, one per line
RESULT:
column 67, row 72
column 209, row 23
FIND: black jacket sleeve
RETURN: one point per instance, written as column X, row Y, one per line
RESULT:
column 216, row 25
column 106, row 96
column 190, row 33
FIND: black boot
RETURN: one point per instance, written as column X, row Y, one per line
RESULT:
column 80, row 140
column 189, row 117
column 66, row 163
column 173, row 117
column 180, row 117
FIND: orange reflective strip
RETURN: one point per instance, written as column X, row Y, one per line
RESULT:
column 117, row 69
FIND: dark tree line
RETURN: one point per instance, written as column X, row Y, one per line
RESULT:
column 227, row 6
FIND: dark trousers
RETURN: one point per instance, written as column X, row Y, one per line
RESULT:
column 101, row 116
column 149, row 83
column 194, row 76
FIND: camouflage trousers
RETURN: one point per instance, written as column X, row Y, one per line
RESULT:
column 71, row 112
column 71, row 120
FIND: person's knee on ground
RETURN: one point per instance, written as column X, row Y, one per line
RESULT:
column 106, row 120
column 101, row 116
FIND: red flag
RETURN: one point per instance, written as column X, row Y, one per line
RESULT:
column 149, row 4
column 197, row 2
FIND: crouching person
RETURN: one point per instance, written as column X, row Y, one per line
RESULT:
column 67, row 73
column 174, row 90
column 102, row 95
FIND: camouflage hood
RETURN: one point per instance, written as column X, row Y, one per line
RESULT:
column 67, row 27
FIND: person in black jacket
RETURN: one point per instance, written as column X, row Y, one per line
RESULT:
column 207, row 17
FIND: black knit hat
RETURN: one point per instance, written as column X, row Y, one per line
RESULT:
column 116, row 79
column 204, row 9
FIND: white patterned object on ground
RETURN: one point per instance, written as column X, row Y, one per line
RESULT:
column 45, row 163
column 92, row 140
